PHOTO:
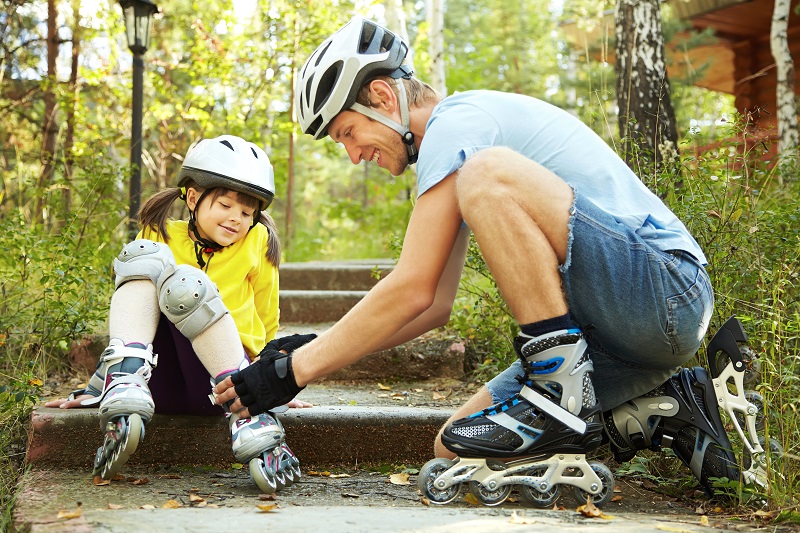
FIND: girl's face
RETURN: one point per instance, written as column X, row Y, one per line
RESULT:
column 224, row 219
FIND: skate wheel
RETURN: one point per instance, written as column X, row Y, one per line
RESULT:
column 491, row 497
column 432, row 470
column 606, row 492
column 758, row 401
column 264, row 480
column 130, row 433
column 752, row 372
column 536, row 498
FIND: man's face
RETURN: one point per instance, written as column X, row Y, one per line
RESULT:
column 369, row 140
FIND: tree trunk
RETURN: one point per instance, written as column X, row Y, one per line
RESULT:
column 396, row 21
column 646, row 116
column 49, row 120
column 436, row 45
column 69, row 137
column 290, row 164
column 788, row 137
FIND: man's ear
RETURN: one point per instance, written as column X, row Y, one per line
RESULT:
column 381, row 96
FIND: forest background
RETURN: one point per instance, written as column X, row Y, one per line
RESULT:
column 227, row 68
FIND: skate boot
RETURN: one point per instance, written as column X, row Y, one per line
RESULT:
column 543, row 432
column 260, row 442
column 126, row 405
column 684, row 414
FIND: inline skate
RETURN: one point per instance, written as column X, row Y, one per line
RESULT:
column 536, row 440
column 260, row 441
column 684, row 414
column 125, row 403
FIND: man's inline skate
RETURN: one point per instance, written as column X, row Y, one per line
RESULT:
column 684, row 414
column 260, row 441
column 125, row 403
column 536, row 440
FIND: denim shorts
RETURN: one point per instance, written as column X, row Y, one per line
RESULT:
column 644, row 311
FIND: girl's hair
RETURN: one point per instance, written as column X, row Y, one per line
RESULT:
column 156, row 209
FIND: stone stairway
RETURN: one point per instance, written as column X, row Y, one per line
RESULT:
column 385, row 408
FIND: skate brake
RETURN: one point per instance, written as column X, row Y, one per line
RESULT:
column 731, row 397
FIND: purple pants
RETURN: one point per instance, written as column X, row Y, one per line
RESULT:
column 179, row 384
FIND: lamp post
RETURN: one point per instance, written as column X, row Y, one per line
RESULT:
column 137, row 26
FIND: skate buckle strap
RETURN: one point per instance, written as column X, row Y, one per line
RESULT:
column 553, row 410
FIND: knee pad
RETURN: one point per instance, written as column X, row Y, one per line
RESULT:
column 142, row 259
column 189, row 299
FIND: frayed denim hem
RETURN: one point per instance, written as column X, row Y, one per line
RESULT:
column 573, row 211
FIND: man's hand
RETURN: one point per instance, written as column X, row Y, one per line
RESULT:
column 262, row 386
column 290, row 343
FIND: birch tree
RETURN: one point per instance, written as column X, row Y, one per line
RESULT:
column 788, row 137
column 646, row 115
column 436, row 45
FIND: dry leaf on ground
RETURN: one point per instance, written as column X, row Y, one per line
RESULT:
column 400, row 479
column 66, row 515
column 267, row 507
column 171, row 504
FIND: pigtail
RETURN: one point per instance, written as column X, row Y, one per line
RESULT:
column 273, row 241
column 155, row 212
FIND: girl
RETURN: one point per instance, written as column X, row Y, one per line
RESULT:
column 200, row 298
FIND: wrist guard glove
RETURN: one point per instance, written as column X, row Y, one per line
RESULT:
column 267, row 383
column 291, row 342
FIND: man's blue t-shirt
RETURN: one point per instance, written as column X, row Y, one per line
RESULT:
column 465, row 123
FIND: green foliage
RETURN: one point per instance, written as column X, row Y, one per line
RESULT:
column 17, row 397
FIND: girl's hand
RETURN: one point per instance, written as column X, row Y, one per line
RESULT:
column 65, row 403
column 299, row 404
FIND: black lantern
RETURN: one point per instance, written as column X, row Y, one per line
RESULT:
column 137, row 25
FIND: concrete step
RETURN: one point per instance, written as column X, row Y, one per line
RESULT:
column 312, row 306
column 359, row 275
column 349, row 424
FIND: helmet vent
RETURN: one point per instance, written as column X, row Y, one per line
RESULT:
column 228, row 144
column 254, row 152
column 326, row 84
column 322, row 53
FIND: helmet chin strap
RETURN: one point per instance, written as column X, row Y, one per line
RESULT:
column 402, row 129
column 201, row 245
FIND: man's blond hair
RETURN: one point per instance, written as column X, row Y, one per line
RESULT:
column 418, row 92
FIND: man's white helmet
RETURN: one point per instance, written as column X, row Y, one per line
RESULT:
column 230, row 162
column 332, row 76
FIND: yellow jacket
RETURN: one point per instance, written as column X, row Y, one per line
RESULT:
column 246, row 280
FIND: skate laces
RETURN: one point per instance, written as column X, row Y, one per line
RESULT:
column 501, row 407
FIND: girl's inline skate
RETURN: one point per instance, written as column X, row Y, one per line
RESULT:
column 536, row 440
column 120, row 387
column 260, row 441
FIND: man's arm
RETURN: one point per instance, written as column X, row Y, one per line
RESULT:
column 400, row 298
column 438, row 314
column 388, row 308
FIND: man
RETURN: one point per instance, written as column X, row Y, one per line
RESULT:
column 608, row 287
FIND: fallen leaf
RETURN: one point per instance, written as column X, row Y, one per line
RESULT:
column 141, row 481
column 237, row 466
column 148, row 507
column 590, row 510
column 334, row 476
column 202, row 504
column 617, row 489
column 324, row 473
column 268, row 497
column 425, row 501
column 520, row 519
column 399, row 479
column 267, row 507
column 193, row 489
column 438, row 396
column 171, row 504
column 115, row 506
column 66, row 515
column 118, row 477
column 471, row 499
column 704, row 521
column 195, row 498
column 417, row 390
column 383, row 387
column 617, row 498
column 99, row 482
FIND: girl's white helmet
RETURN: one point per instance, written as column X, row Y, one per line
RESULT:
column 231, row 162
column 332, row 76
